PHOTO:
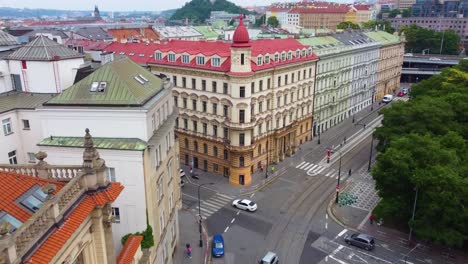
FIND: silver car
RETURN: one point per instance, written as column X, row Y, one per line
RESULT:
column 360, row 240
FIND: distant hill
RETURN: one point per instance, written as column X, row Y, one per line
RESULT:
column 199, row 10
column 167, row 13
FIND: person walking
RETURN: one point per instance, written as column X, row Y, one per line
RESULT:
column 371, row 219
column 189, row 250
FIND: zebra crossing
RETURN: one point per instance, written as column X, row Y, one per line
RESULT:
column 315, row 169
column 213, row 204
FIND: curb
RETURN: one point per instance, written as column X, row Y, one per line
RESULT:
column 205, row 235
column 333, row 216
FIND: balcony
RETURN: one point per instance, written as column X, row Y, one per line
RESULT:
column 241, row 126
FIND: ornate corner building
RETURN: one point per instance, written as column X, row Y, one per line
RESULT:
column 242, row 105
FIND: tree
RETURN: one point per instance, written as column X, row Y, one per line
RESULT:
column 259, row 21
column 423, row 146
column 381, row 25
column 394, row 13
column 347, row 24
column 406, row 12
column 273, row 21
column 419, row 38
column 199, row 10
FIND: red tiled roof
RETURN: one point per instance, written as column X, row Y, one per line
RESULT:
column 277, row 9
column 222, row 49
column 328, row 10
column 129, row 249
column 241, row 36
column 12, row 186
column 362, row 7
column 67, row 22
column 135, row 33
column 88, row 44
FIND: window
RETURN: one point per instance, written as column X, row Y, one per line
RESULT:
column 194, row 83
column 195, row 125
column 26, row 124
column 298, row 53
column 268, row 83
column 289, row 55
column 205, row 148
column 286, row 79
column 279, row 81
column 161, row 224
column 215, row 131
column 225, row 154
column 158, row 56
column 225, row 88
column 216, row 62
column 292, row 77
column 7, row 130
column 278, row 101
column 174, row 80
column 225, row 132
column 241, row 116
column 176, row 99
column 203, row 85
column 241, row 139
column 267, row 59
column 185, row 123
column 242, row 92
column 215, row 167
column 252, row 87
column 31, row 157
column 171, row 57
column 204, row 106
column 268, row 104
column 215, row 151
column 184, row 82
column 259, row 60
column 283, row 56
column 276, row 57
column 242, row 58
column 205, row 129
column 241, row 161
column 225, row 111
column 259, row 150
column 35, row 199
column 111, row 174
column 12, row 157
column 260, row 85
column 215, row 108
column 185, row 58
column 184, row 103
column 160, row 189
column 200, row 60
column 5, row 217
column 260, row 107
column 194, row 105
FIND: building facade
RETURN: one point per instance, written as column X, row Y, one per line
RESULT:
column 318, row 18
column 390, row 62
column 241, row 106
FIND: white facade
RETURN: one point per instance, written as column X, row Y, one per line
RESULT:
column 281, row 15
column 5, row 78
column 293, row 19
column 45, row 76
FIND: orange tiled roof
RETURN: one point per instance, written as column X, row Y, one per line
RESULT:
column 135, row 33
column 12, row 186
column 58, row 238
column 129, row 249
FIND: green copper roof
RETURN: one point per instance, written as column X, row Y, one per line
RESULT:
column 126, row 84
column 207, row 31
column 383, row 37
column 19, row 100
column 100, row 143
column 317, row 41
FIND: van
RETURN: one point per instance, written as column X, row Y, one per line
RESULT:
column 269, row 258
column 387, row 98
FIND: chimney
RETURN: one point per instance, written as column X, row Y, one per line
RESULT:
column 107, row 57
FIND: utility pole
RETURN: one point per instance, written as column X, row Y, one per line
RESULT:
column 414, row 211
column 339, row 178
column 370, row 155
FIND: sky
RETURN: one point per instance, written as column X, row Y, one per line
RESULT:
column 118, row 5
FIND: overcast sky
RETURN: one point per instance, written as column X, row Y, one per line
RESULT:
column 117, row 5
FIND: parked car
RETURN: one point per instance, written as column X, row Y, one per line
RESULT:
column 408, row 55
column 182, row 183
column 360, row 240
column 182, row 173
column 269, row 258
column 401, row 94
column 245, row 204
column 434, row 59
column 387, row 98
column 405, row 90
column 217, row 248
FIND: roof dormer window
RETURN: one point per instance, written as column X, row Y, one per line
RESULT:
column 141, row 55
column 283, row 56
column 216, row 62
column 289, row 55
column 298, row 54
column 98, row 87
column 34, row 198
column 171, row 57
column 5, row 217
column 185, row 58
column 309, row 51
column 259, row 60
column 276, row 57
column 267, row 59
column 303, row 53
column 122, row 53
column 131, row 54
column 200, row 60
column 158, row 55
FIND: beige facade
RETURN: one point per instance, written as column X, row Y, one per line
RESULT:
column 319, row 20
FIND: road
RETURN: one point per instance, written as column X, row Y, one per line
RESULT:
column 292, row 219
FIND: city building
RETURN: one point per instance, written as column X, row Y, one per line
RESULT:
column 57, row 214
column 91, row 33
column 178, row 32
column 363, row 13
column 227, row 17
column 241, row 105
column 404, row 4
column 91, row 49
column 459, row 25
column 435, row 8
column 133, row 34
column 346, row 76
column 41, row 66
column 390, row 63
column 281, row 13
column 132, row 115
column 320, row 17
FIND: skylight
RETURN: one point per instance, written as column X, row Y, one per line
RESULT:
column 35, row 199
column 98, row 87
column 6, row 217
column 141, row 79
column 94, row 86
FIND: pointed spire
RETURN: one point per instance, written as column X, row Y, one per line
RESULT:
column 90, row 154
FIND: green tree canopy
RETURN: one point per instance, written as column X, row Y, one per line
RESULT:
column 419, row 38
column 423, row 146
column 347, row 24
column 259, row 21
column 273, row 21
column 381, row 25
column 200, row 10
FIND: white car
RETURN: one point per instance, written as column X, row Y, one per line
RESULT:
column 182, row 173
column 434, row 59
column 245, row 204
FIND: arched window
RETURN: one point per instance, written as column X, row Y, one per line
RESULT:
column 205, row 148
column 186, row 143
column 195, row 146
column 259, row 149
column 241, row 161
column 215, row 151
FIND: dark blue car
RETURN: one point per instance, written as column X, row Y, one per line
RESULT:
column 217, row 248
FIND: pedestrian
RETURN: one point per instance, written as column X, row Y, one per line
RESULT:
column 191, row 171
column 371, row 219
column 349, row 172
column 189, row 250
column 345, row 140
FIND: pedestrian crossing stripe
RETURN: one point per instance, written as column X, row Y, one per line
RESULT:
column 213, row 204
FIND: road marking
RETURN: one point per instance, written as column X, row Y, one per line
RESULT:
column 405, row 261
column 321, row 169
column 364, row 253
column 326, row 225
column 238, row 212
column 326, row 216
column 300, row 164
column 341, row 233
column 340, row 247
column 350, row 255
column 225, row 196
column 232, row 221
column 203, row 209
column 193, row 197
column 329, row 174
column 307, row 164
column 313, row 168
column 225, row 230
column 338, row 260
column 252, row 195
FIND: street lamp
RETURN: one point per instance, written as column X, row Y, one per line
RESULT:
column 199, row 211
column 424, row 51
column 339, row 178
column 370, row 155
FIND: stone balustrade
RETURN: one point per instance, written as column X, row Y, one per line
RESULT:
column 53, row 172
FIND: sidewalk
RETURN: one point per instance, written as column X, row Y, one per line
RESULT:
column 356, row 217
column 310, row 150
column 188, row 227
